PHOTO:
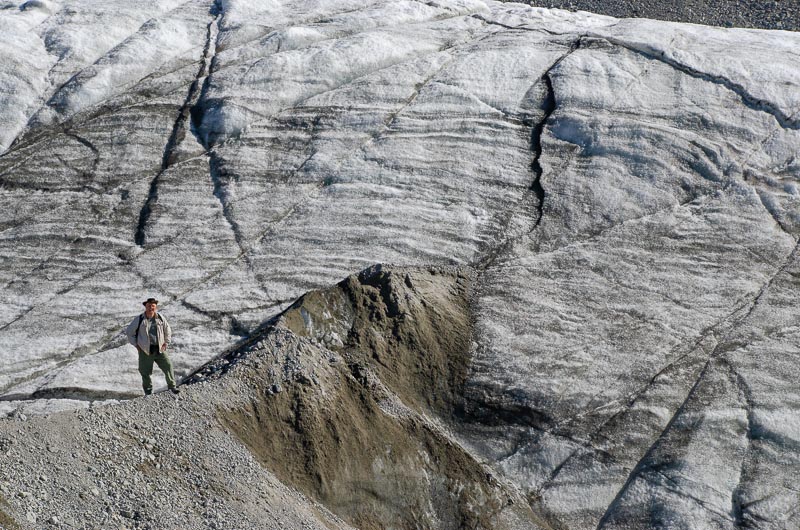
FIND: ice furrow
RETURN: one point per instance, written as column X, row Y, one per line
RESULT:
column 676, row 489
column 536, row 189
column 182, row 121
column 738, row 503
column 90, row 145
column 485, row 20
column 725, row 344
column 773, row 214
column 785, row 121
column 549, row 107
column 392, row 117
column 643, row 463
column 786, row 262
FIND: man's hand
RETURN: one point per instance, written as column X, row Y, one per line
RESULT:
column 164, row 347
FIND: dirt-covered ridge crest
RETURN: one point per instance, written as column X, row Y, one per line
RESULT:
column 372, row 374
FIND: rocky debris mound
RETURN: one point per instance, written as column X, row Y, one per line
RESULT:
column 340, row 406
column 365, row 420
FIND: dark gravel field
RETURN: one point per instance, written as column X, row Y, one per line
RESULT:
column 766, row 14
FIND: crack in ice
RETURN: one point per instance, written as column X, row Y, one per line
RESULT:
column 752, row 102
column 722, row 347
column 178, row 131
column 548, row 106
column 738, row 505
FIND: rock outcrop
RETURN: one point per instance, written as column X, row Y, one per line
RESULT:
column 621, row 195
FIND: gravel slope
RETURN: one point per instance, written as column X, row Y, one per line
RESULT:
column 770, row 14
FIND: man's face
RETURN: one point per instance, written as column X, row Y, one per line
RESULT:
column 150, row 308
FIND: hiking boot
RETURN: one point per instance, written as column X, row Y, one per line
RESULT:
column 148, row 392
column 174, row 390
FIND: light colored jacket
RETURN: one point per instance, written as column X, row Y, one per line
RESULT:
column 141, row 337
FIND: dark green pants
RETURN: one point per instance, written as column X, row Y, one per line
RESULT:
column 146, row 369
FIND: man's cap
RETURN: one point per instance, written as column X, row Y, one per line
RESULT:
column 150, row 301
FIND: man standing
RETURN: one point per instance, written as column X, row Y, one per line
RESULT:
column 151, row 334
